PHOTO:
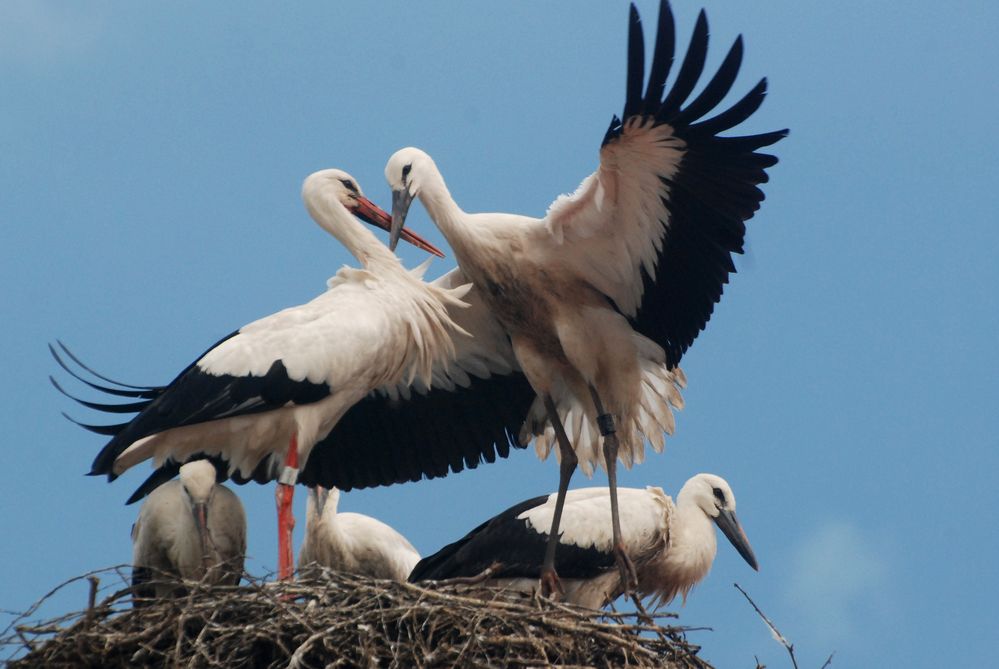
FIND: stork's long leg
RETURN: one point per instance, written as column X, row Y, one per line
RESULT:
column 567, row 465
column 285, row 494
column 629, row 577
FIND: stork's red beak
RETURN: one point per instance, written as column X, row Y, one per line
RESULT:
column 368, row 211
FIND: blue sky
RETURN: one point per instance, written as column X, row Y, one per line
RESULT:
column 151, row 159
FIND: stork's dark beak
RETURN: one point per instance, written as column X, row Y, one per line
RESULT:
column 369, row 212
column 201, row 520
column 321, row 496
column 401, row 199
column 730, row 527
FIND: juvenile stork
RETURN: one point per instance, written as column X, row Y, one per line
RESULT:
column 603, row 295
column 352, row 542
column 264, row 396
column 191, row 528
column 671, row 545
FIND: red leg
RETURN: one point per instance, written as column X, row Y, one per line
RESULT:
column 286, row 519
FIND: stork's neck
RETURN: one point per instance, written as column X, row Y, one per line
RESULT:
column 693, row 543
column 330, row 507
column 444, row 211
column 333, row 217
column 338, row 538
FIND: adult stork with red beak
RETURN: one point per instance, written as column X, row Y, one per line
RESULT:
column 258, row 401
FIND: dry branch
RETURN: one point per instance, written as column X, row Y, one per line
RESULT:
column 776, row 633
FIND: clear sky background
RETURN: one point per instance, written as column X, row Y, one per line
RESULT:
column 150, row 165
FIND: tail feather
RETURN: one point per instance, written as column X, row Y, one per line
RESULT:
column 140, row 391
column 652, row 419
column 131, row 407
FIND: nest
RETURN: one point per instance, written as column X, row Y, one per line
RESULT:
column 341, row 620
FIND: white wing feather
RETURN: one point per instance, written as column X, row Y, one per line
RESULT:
column 613, row 225
column 586, row 520
column 481, row 346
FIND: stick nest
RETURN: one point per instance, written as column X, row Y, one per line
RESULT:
column 340, row 620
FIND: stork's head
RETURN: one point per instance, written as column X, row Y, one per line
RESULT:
column 406, row 172
column 342, row 188
column 714, row 496
column 198, row 481
column 323, row 499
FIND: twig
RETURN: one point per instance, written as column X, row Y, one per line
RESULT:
column 773, row 628
column 483, row 575
column 92, row 596
column 38, row 604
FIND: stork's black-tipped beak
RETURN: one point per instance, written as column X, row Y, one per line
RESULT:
column 401, row 199
column 200, row 511
column 322, row 494
column 369, row 212
column 730, row 527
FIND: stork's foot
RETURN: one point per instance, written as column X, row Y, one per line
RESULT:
column 551, row 585
column 629, row 577
column 643, row 615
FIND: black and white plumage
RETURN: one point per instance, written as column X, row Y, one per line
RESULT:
column 352, row 542
column 469, row 414
column 672, row 545
column 191, row 528
column 259, row 401
column 603, row 295
column 330, row 372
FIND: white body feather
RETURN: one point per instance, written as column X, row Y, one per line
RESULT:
column 355, row 543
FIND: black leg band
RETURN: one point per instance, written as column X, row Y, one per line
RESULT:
column 605, row 422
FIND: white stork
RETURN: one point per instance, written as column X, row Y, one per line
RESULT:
column 266, row 394
column 352, row 542
column 672, row 545
column 191, row 528
column 603, row 295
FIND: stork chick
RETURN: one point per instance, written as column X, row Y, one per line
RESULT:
column 351, row 542
column 671, row 545
column 191, row 528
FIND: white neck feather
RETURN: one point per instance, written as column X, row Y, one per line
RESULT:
column 332, row 502
column 693, row 545
column 688, row 556
column 333, row 217
column 694, row 529
column 436, row 198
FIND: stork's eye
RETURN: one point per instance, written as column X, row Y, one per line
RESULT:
column 719, row 495
column 349, row 185
column 406, row 170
